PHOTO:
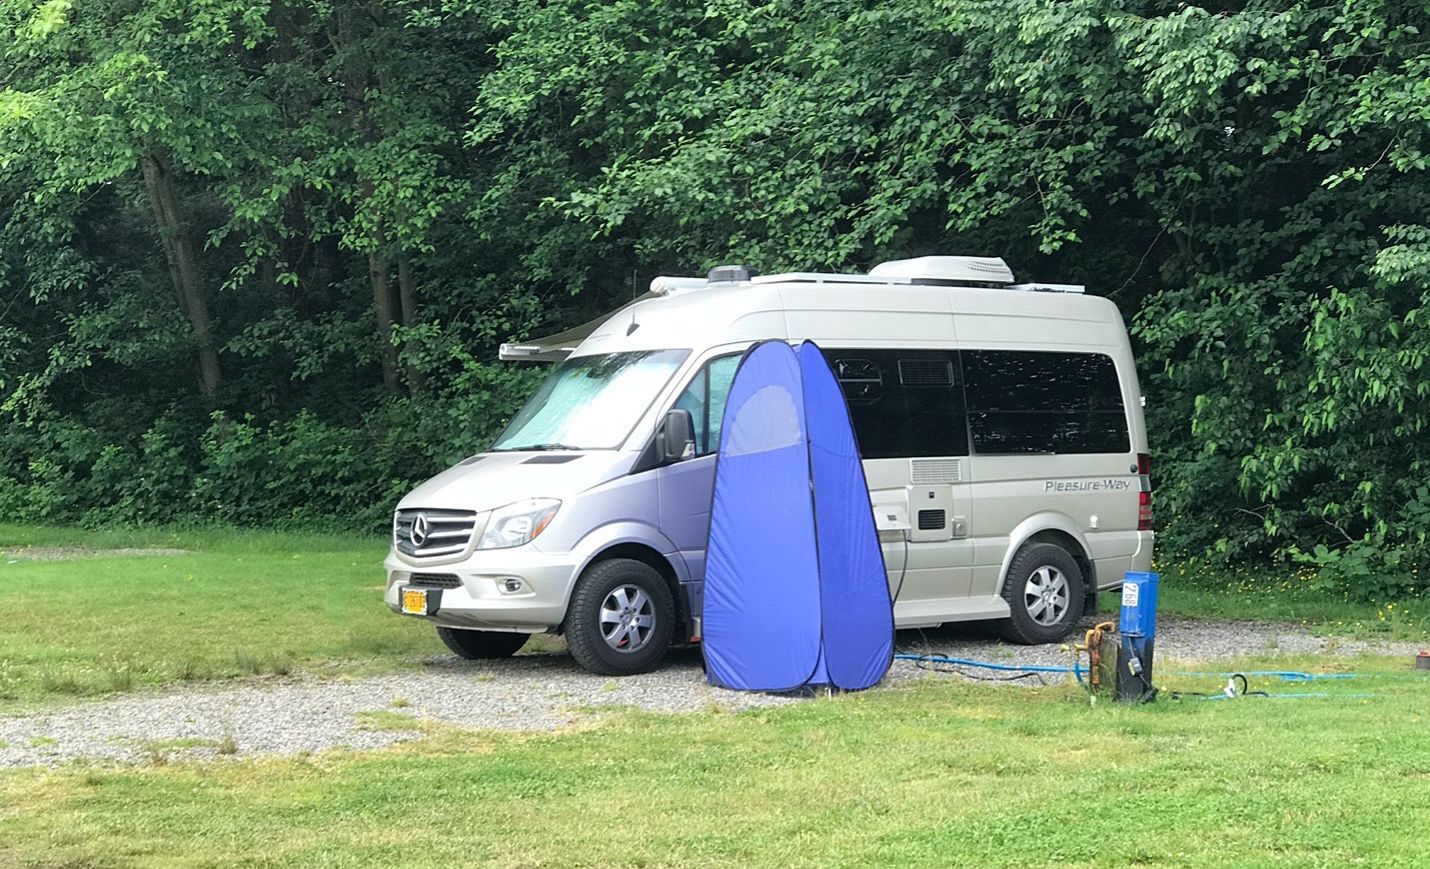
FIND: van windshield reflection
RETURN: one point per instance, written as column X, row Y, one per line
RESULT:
column 590, row 402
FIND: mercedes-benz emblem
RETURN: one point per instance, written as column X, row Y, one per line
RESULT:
column 420, row 530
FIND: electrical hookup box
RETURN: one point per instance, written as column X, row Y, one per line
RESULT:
column 1137, row 635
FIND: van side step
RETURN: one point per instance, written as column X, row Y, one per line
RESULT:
column 927, row 613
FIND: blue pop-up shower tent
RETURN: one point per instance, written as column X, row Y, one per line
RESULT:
column 795, row 590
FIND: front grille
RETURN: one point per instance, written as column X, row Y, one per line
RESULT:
column 435, row 580
column 430, row 533
column 931, row 520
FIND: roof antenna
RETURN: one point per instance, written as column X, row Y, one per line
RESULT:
column 634, row 325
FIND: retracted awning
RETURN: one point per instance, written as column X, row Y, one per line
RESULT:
column 554, row 348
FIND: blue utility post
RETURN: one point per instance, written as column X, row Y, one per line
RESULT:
column 1138, row 626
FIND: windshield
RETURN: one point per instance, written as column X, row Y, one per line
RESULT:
column 591, row 402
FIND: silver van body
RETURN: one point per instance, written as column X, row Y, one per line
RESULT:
column 951, row 524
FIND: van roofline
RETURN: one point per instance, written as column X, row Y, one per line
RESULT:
column 952, row 272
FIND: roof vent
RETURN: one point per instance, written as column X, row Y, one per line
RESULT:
column 976, row 270
column 729, row 274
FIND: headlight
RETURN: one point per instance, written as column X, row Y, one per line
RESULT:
column 519, row 523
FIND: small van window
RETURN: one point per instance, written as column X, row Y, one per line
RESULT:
column 1044, row 402
column 903, row 403
column 705, row 399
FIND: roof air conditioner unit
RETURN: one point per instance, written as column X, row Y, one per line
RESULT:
column 975, row 270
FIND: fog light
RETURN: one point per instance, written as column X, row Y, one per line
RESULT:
column 510, row 585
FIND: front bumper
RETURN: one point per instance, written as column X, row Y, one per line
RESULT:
column 481, row 598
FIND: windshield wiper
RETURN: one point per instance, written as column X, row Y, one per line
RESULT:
column 535, row 448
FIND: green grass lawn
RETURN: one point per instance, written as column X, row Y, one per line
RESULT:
column 934, row 772
column 239, row 603
column 939, row 772
column 243, row 603
column 1283, row 594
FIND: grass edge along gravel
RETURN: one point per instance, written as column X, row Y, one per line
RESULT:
column 311, row 603
column 930, row 772
column 104, row 624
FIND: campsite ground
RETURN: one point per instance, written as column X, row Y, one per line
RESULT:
column 929, row 768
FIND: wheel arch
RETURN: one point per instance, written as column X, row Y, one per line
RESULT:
column 1059, row 530
column 648, row 555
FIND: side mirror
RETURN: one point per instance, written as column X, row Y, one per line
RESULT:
column 675, row 439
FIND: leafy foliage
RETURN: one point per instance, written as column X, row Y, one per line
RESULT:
column 379, row 193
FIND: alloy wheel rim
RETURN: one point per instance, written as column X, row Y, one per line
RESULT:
column 1045, row 595
column 627, row 618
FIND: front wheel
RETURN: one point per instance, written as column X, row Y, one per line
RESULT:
column 1046, row 592
column 621, row 619
column 481, row 645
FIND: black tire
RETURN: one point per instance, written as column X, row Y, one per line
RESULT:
column 482, row 645
column 631, row 594
column 1046, row 594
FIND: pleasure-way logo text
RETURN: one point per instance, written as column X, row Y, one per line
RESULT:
column 1108, row 485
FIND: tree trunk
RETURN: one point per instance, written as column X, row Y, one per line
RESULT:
column 407, row 290
column 407, row 295
column 330, row 269
column 382, row 300
column 268, row 280
column 355, row 83
column 183, row 257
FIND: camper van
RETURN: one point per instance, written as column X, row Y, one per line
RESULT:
column 999, row 423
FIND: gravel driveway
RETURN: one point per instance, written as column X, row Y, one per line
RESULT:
column 530, row 692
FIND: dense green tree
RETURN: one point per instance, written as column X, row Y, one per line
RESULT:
column 272, row 197
column 330, row 214
column 1246, row 181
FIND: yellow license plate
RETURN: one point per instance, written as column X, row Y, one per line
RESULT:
column 414, row 601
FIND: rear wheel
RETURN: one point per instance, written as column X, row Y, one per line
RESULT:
column 481, row 645
column 621, row 618
column 1046, row 594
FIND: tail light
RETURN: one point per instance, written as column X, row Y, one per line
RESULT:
column 1144, row 497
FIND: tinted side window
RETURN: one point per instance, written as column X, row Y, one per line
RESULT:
column 1036, row 402
column 903, row 402
column 705, row 399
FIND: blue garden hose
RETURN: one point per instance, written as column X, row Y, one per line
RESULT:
column 1076, row 671
column 1231, row 691
column 988, row 665
column 1283, row 675
column 1293, row 695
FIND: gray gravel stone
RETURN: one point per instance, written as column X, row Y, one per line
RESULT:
column 302, row 714
column 17, row 554
column 1178, row 639
column 529, row 692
